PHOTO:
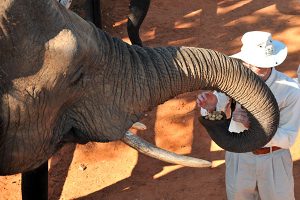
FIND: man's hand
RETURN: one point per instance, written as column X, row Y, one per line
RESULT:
column 240, row 115
column 207, row 100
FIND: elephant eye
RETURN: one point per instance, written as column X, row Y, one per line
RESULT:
column 76, row 76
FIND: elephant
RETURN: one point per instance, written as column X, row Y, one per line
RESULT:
column 64, row 80
column 91, row 9
column 138, row 11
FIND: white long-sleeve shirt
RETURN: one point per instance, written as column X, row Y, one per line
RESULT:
column 287, row 94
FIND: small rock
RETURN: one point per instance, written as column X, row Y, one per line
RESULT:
column 82, row 167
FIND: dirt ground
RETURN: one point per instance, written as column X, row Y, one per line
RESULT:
column 114, row 171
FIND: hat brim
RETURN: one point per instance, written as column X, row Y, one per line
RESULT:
column 274, row 60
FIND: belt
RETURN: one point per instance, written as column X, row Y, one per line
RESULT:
column 265, row 150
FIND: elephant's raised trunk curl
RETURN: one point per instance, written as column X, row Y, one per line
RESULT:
column 174, row 70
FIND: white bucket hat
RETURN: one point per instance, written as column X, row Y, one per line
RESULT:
column 260, row 50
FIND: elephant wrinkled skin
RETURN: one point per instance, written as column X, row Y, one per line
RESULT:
column 64, row 80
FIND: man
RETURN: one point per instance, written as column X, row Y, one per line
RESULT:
column 266, row 173
column 298, row 73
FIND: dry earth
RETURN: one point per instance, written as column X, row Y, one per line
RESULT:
column 114, row 171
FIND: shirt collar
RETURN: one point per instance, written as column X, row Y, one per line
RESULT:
column 272, row 77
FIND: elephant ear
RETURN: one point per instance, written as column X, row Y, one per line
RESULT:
column 228, row 140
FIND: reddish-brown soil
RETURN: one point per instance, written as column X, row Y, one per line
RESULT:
column 114, row 171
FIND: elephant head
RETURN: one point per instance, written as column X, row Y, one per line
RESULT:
column 63, row 80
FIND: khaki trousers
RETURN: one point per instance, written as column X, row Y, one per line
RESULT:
column 253, row 177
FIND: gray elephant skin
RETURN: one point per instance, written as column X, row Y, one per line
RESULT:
column 63, row 80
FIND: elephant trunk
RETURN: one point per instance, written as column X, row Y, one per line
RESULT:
column 138, row 11
column 153, row 75
column 183, row 69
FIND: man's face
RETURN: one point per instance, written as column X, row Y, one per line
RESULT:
column 263, row 73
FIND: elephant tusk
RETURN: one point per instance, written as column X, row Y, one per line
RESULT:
column 139, row 126
column 150, row 150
